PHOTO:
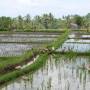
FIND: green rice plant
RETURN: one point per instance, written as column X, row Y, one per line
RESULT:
column 6, row 61
column 33, row 67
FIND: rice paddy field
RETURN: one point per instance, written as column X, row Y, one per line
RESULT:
column 18, row 43
column 60, row 71
column 77, row 42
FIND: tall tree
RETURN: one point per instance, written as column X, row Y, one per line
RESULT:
column 5, row 23
column 20, row 21
column 78, row 20
column 27, row 18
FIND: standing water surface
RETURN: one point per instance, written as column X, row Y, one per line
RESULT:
column 59, row 73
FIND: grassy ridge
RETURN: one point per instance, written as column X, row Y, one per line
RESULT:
column 40, row 30
column 5, row 61
column 59, row 41
column 36, row 65
column 26, row 31
column 82, row 30
column 72, row 53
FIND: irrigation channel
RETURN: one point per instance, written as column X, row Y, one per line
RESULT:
column 70, row 71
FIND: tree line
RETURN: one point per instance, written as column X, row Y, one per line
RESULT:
column 46, row 21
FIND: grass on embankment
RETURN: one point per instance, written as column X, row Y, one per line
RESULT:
column 40, row 30
column 7, row 61
column 82, row 30
column 59, row 41
column 33, row 67
column 72, row 53
column 27, row 31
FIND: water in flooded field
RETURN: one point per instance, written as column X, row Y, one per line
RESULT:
column 59, row 73
column 30, row 35
column 77, row 43
column 76, row 47
column 16, row 39
column 17, row 44
column 15, row 49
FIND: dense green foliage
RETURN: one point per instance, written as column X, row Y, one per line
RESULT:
column 46, row 21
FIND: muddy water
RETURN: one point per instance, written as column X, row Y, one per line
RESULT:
column 59, row 73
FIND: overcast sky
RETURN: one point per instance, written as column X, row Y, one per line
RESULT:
column 37, row 7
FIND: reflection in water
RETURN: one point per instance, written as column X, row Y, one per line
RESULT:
column 59, row 73
column 78, row 45
column 75, row 47
column 17, row 44
column 14, row 49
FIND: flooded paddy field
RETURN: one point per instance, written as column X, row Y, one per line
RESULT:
column 77, row 36
column 76, row 47
column 76, row 42
column 14, row 44
column 15, row 49
column 61, row 72
column 28, row 37
column 17, row 40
